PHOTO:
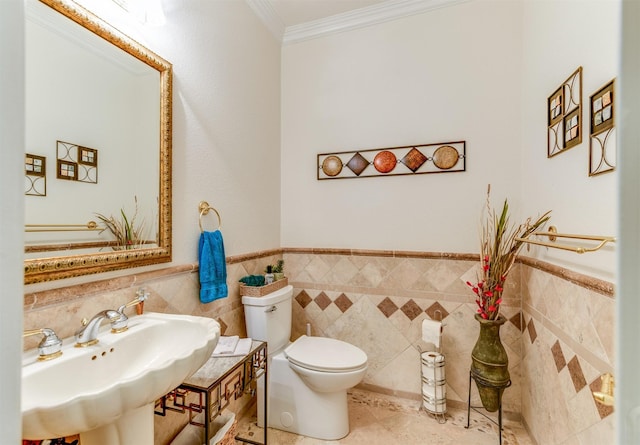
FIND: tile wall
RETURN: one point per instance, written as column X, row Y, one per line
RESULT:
column 567, row 345
column 559, row 334
column 378, row 300
column 558, row 346
column 172, row 290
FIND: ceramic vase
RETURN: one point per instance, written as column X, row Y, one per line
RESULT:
column 490, row 363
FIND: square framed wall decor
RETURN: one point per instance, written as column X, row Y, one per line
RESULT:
column 564, row 115
column 602, row 138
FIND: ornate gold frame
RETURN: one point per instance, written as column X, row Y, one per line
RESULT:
column 54, row 268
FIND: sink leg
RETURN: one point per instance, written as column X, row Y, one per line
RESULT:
column 135, row 427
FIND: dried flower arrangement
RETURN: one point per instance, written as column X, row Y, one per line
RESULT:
column 499, row 247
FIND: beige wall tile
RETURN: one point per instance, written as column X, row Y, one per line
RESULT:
column 580, row 317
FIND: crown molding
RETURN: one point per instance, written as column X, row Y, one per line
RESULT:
column 265, row 11
column 360, row 18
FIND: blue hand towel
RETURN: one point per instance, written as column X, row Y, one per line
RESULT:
column 212, row 267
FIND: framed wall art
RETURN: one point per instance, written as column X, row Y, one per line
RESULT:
column 564, row 115
column 77, row 163
column 35, row 170
column 602, row 137
column 442, row 157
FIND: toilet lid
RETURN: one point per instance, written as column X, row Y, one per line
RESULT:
column 325, row 354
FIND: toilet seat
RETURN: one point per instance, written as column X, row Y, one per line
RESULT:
column 325, row 354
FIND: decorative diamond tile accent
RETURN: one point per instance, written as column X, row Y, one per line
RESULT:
column 411, row 309
column 387, row 307
column 532, row 331
column 303, row 299
column 322, row 300
column 414, row 159
column 558, row 356
column 343, row 302
column 577, row 376
column 603, row 410
column 432, row 311
column 517, row 321
column 223, row 326
column 357, row 163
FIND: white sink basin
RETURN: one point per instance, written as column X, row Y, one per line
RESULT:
column 105, row 390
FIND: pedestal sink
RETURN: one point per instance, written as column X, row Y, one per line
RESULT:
column 106, row 392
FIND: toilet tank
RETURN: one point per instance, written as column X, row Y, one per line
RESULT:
column 268, row 318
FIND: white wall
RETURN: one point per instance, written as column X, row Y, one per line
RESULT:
column 479, row 71
column 558, row 38
column 446, row 75
column 226, row 123
column 11, row 215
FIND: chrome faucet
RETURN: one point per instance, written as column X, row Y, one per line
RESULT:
column 122, row 323
column 50, row 347
column 87, row 335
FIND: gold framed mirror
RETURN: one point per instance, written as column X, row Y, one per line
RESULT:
column 116, row 187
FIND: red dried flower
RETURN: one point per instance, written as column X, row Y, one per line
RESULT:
column 499, row 246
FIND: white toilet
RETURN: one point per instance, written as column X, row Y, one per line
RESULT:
column 307, row 379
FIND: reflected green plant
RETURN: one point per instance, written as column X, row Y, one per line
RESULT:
column 128, row 233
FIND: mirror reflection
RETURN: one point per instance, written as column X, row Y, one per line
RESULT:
column 98, row 115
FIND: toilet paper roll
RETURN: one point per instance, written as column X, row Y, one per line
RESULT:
column 434, row 386
column 434, row 392
column 432, row 331
column 434, row 406
column 433, row 375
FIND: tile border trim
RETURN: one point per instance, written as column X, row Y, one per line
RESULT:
column 595, row 284
column 38, row 299
column 602, row 287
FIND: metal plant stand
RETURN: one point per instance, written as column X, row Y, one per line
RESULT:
column 478, row 408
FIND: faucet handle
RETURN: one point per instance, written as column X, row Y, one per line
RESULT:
column 50, row 347
column 122, row 324
column 142, row 294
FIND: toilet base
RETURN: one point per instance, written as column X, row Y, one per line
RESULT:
column 296, row 408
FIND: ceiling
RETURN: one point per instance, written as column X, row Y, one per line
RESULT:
column 292, row 21
column 295, row 12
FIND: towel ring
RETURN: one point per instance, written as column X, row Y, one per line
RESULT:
column 204, row 208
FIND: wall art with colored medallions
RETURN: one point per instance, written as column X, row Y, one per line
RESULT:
column 443, row 157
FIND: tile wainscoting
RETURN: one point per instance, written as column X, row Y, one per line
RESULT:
column 559, row 334
column 172, row 290
column 567, row 345
column 378, row 300
column 558, row 347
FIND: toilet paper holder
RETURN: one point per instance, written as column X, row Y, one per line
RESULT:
column 432, row 378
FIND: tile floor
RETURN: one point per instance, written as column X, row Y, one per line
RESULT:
column 376, row 419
